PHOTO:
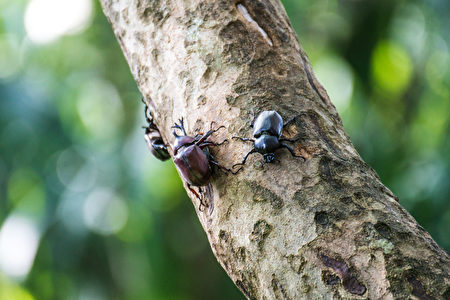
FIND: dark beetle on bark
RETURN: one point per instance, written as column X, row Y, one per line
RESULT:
column 267, row 130
column 153, row 138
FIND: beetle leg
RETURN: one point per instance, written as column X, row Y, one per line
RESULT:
column 193, row 191
column 205, row 144
column 148, row 117
column 216, row 163
column 288, row 140
column 291, row 150
column 197, row 196
column 206, row 135
column 245, row 158
column 243, row 139
column 221, row 143
column 211, row 126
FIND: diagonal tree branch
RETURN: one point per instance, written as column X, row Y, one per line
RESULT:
column 320, row 229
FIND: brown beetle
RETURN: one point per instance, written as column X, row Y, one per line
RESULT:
column 193, row 160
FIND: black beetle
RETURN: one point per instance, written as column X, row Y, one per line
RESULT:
column 153, row 138
column 192, row 158
column 267, row 130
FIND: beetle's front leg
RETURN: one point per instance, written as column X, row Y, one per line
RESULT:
column 181, row 127
column 216, row 163
column 292, row 151
column 147, row 118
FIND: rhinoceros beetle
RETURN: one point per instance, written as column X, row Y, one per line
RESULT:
column 193, row 160
column 267, row 130
column 153, row 138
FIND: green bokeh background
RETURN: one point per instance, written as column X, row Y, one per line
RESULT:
column 109, row 221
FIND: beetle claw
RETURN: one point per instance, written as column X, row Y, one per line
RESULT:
column 245, row 158
column 221, row 143
column 222, row 168
column 180, row 127
column 213, row 144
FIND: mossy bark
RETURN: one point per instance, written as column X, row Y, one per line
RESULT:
column 316, row 229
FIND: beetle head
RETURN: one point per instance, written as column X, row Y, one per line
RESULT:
column 269, row 157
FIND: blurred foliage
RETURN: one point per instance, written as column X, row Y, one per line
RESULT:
column 87, row 213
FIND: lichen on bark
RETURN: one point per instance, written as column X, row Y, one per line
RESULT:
column 316, row 229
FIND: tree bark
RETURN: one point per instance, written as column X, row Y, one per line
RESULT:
column 316, row 229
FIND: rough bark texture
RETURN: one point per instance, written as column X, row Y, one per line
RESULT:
column 320, row 229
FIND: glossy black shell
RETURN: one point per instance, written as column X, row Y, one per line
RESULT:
column 268, row 122
column 266, row 144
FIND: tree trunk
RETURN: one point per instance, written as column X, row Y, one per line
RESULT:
column 316, row 229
